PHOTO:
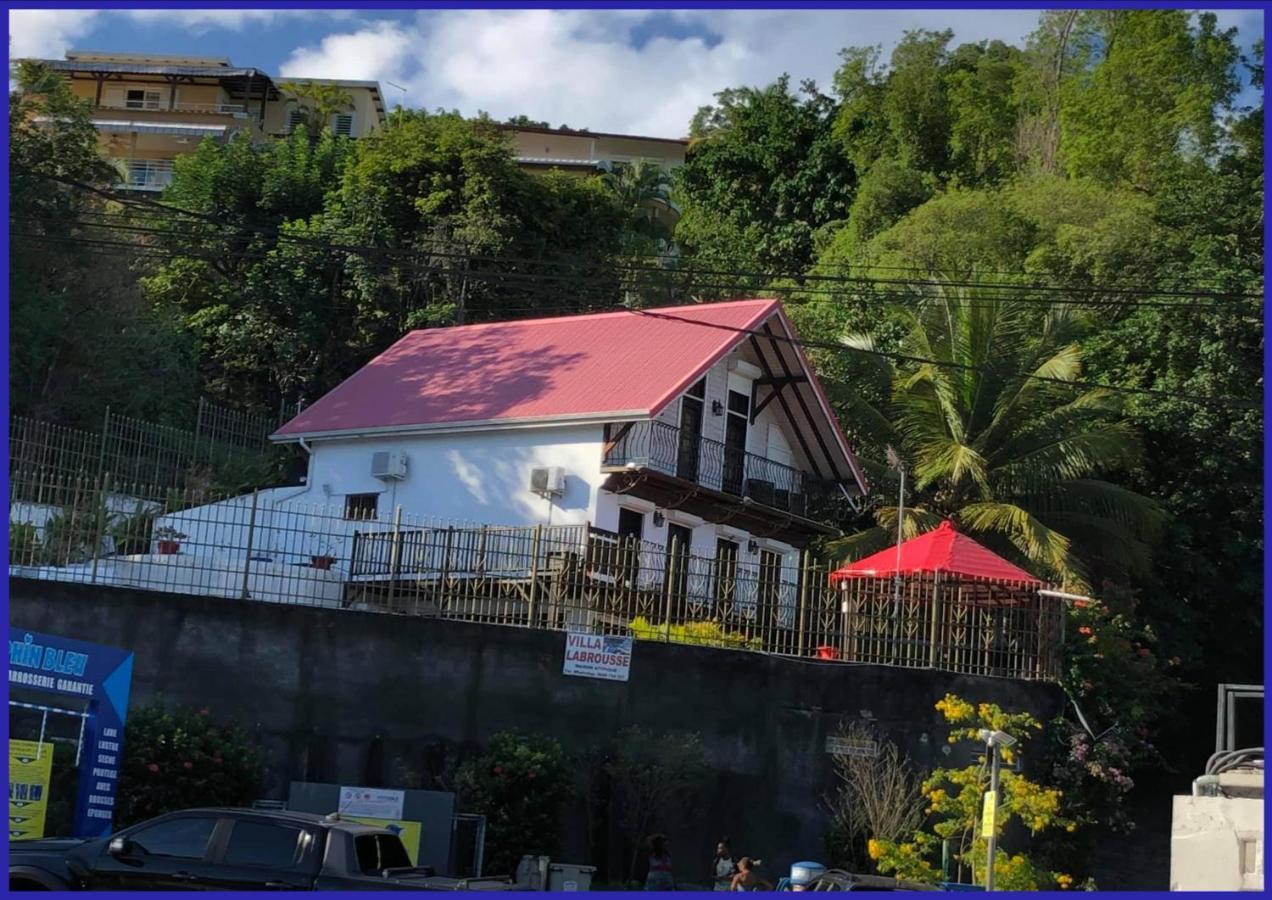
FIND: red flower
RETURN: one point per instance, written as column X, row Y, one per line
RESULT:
column 1087, row 686
column 217, row 760
column 204, row 711
column 187, row 765
column 154, row 767
column 1081, row 604
column 532, row 773
column 1144, row 651
column 1084, row 629
column 498, row 770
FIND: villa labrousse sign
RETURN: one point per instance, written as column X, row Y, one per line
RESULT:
column 598, row 656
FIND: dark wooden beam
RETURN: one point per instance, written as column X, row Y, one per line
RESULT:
column 790, row 416
column 101, row 80
column 610, row 442
column 776, row 385
column 830, row 460
column 172, row 94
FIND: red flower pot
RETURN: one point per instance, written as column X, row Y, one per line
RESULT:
column 169, row 548
column 322, row 562
column 825, row 651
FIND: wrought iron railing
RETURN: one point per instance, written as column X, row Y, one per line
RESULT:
column 672, row 451
column 269, row 546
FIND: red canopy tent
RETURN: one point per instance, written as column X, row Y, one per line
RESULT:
column 942, row 550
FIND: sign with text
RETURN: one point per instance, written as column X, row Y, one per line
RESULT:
column 839, row 745
column 30, row 770
column 101, row 677
column 375, row 803
column 989, row 813
column 598, row 656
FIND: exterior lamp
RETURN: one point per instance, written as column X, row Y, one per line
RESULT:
column 659, row 518
column 717, row 408
column 995, row 741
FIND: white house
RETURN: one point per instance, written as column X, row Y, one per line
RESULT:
column 703, row 425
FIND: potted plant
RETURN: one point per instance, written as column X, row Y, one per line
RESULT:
column 169, row 540
column 326, row 556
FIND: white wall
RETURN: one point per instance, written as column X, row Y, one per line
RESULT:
column 481, row 477
column 1216, row 844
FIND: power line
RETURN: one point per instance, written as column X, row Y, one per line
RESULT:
column 322, row 239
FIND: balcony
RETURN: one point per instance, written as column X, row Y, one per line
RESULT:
column 238, row 110
column 147, row 174
column 662, row 448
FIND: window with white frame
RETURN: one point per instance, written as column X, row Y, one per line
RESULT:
column 142, row 99
column 342, row 125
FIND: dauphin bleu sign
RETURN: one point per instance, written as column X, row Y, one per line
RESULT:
column 102, row 676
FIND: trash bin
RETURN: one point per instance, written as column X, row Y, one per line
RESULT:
column 803, row 874
column 567, row 877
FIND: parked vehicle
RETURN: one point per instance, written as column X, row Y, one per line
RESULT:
column 839, row 880
column 232, row 850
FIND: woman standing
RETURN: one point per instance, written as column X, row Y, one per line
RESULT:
column 722, row 867
column 659, row 877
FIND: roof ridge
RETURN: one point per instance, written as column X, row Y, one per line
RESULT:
column 543, row 320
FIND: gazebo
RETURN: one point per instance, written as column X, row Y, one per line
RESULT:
column 941, row 600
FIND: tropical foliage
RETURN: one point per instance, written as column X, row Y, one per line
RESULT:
column 955, row 804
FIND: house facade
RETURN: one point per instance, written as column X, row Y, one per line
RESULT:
column 150, row 109
column 587, row 152
column 696, row 430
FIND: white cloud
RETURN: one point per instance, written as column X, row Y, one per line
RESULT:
column 582, row 68
column 47, row 33
column 372, row 53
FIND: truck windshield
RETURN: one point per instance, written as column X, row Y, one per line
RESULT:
column 377, row 852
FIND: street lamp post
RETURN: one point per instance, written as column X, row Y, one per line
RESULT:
column 994, row 740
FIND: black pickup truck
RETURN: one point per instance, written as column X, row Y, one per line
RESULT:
column 231, row 850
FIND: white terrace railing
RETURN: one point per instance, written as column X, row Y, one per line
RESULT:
column 266, row 546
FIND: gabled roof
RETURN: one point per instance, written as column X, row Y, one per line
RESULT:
column 941, row 550
column 602, row 367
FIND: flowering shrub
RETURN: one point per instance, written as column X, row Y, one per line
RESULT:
column 520, row 784
column 702, row 634
column 955, row 798
column 177, row 758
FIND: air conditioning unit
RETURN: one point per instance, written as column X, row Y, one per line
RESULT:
column 549, row 482
column 388, row 465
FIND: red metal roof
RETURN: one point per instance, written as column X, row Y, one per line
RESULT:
column 603, row 364
column 941, row 550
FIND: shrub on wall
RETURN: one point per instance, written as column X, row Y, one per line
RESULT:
column 520, row 784
column 178, row 758
column 701, row 634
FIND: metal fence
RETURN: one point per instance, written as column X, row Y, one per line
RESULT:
column 45, row 457
column 271, row 546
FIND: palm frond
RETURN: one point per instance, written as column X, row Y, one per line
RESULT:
column 1041, row 545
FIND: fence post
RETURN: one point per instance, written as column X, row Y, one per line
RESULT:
column 670, row 583
column 395, row 555
column 445, row 573
column 534, row 573
column 198, row 424
column 251, row 534
column 103, row 489
column 804, row 587
column 101, row 452
column 933, row 649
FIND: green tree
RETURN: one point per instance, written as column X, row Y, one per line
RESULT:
column 954, row 799
column 520, row 784
column 316, row 103
column 762, row 175
column 1153, row 90
column 177, row 758
column 70, row 294
column 1017, row 462
column 643, row 191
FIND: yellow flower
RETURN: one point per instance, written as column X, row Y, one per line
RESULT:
column 873, row 848
column 1070, row 827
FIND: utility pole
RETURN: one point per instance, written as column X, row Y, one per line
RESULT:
column 895, row 462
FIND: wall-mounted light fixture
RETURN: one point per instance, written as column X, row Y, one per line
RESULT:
column 717, row 408
column 659, row 519
column 752, row 547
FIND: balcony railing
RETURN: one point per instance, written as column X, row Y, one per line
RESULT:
column 148, row 174
column 712, row 464
column 225, row 109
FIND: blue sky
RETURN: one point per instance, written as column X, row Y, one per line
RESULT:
column 643, row 72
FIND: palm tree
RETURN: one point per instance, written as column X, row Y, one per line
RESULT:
column 317, row 103
column 1016, row 462
column 643, row 190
